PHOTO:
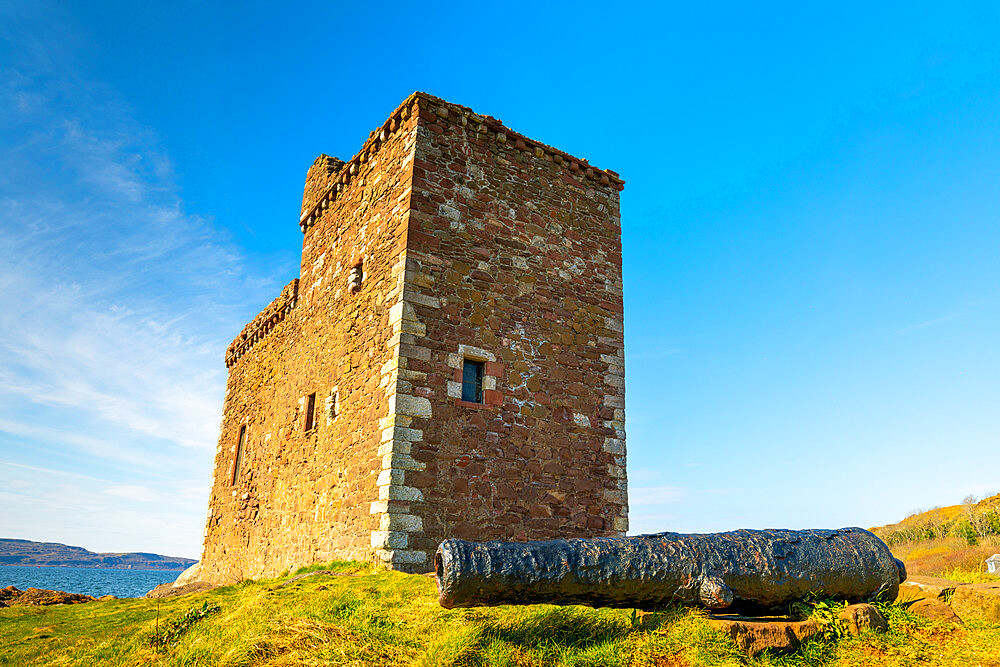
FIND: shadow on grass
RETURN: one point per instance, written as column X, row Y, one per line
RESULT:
column 561, row 635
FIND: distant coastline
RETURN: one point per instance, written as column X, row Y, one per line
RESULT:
column 26, row 553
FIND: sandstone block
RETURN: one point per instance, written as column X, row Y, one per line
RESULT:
column 397, row 460
column 403, row 557
column 935, row 610
column 404, row 522
column 614, row 446
column 388, row 539
column 390, row 476
column 860, row 618
column 979, row 601
column 394, row 492
column 753, row 636
column 413, row 406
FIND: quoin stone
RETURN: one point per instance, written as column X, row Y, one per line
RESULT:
column 448, row 364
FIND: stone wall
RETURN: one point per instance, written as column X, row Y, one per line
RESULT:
column 302, row 497
column 447, row 237
column 514, row 259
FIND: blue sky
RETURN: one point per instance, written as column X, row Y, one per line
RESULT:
column 811, row 237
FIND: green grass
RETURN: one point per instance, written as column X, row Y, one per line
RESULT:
column 970, row 575
column 369, row 617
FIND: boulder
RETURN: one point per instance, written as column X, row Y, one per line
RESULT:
column 168, row 590
column 935, row 610
column 188, row 576
column 36, row 597
column 8, row 594
column 754, row 635
column 980, row 601
column 861, row 618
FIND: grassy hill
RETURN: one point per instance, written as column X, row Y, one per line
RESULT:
column 365, row 617
column 951, row 542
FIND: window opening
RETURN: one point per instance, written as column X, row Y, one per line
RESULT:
column 357, row 275
column 310, row 417
column 239, row 454
column 332, row 405
column 472, row 381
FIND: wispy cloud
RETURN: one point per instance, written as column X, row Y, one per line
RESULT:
column 654, row 495
column 930, row 323
column 116, row 305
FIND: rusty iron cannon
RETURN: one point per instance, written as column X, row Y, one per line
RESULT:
column 739, row 571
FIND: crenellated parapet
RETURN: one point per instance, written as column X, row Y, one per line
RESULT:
column 265, row 321
column 437, row 112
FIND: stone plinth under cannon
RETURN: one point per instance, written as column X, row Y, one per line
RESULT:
column 742, row 570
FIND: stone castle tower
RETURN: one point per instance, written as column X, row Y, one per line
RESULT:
column 449, row 363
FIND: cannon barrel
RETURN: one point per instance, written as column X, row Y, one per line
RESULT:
column 742, row 570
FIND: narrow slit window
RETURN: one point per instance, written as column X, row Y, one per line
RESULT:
column 332, row 405
column 310, row 416
column 357, row 275
column 472, row 381
column 239, row 455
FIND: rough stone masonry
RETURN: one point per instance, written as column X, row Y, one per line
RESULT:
column 449, row 362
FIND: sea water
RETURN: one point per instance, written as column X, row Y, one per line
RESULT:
column 94, row 581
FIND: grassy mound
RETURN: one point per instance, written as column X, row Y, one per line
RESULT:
column 359, row 616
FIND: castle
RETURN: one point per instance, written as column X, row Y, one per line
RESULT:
column 449, row 362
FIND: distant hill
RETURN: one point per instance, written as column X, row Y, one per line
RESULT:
column 53, row 554
column 947, row 541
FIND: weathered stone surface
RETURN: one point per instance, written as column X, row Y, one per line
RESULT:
column 861, row 618
column 189, row 575
column 965, row 601
column 934, row 610
column 754, row 635
column 742, row 570
column 920, row 586
column 447, row 237
column 168, row 590
column 979, row 601
column 35, row 597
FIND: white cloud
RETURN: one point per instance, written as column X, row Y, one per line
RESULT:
column 134, row 492
column 654, row 495
column 116, row 305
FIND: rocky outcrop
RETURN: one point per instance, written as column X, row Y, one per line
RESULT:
column 169, row 590
column 951, row 601
column 187, row 583
column 981, row 601
column 37, row 597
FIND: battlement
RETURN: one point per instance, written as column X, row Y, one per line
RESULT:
column 437, row 113
column 265, row 321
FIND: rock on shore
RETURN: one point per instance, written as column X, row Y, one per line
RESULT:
column 35, row 597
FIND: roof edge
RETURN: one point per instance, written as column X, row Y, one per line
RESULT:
column 481, row 123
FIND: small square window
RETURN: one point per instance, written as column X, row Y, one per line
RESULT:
column 472, row 381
